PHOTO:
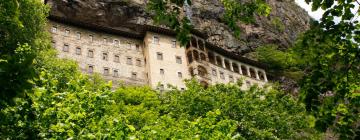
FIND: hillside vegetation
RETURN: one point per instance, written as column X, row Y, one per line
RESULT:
column 43, row 97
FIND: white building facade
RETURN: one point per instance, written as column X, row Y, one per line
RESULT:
column 151, row 56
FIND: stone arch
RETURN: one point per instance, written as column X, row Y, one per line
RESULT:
column 194, row 42
column 202, row 71
column 201, row 45
column 189, row 57
column 244, row 70
column 235, row 67
column 218, row 61
column 191, row 71
column 188, row 45
column 227, row 64
column 252, row 73
column 202, row 57
column 261, row 76
column 211, row 57
column 196, row 55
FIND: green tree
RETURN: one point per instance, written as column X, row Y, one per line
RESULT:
column 66, row 104
column 328, row 58
column 22, row 24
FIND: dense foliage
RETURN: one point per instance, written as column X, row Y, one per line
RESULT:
column 21, row 33
column 43, row 97
column 326, row 62
column 67, row 104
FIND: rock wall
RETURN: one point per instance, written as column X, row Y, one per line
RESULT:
column 286, row 20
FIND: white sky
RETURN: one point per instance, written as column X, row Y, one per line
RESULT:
column 318, row 14
column 315, row 14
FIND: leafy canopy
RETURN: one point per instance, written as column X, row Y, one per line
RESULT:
column 67, row 104
column 22, row 25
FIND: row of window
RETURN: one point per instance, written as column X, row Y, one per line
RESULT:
column 160, row 56
column 105, row 55
column 115, row 42
column 162, row 72
column 106, row 72
column 156, row 40
column 231, row 78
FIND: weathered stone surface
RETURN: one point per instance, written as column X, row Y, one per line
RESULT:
column 206, row 16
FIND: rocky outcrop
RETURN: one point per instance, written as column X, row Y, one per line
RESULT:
column 285, row 22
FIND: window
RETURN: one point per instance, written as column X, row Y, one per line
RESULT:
column 105, row 56
column 178, row 60
column 222, row 76
column 173, row 44
column 67, row 32
column 214, row 72
column 116, row 73
column 162, row 72
column 180, row 75
column 129, row 46
column 91, row 53
column 156, row 40
column 91, row 38
column 117, row 58
column 54, row 29
column 106, row 71
column 134, row 75
column 90, row 69
column 78, row 51
column 182, row 89
column 116, row 42
column 137, row 47
column 66, row 48
column 231, row 78
column 138, row 62
column 159, row 56
column 78, row 35
column 129, row 61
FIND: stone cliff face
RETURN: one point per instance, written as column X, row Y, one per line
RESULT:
column 285, row 22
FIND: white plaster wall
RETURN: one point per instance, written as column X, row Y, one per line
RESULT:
column 168, row 63
column 99, row 46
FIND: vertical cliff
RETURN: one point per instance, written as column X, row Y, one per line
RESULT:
column 286, row 20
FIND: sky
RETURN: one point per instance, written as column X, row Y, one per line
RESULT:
column 315, row 14
column 318, row 14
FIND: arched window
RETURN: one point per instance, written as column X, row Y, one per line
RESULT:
column 243, row 69
column 196, row 55
column 194, row 43
column 211, row 57
column 202, row 57
column 219, row 61
column 191, row 70
column 202, row 71
column 252, row 73
column 189, row 57
column 201, row 45
column 235, row 67
column 188, row 46
column 261, row 76
column 227, row 64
